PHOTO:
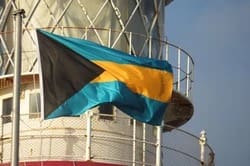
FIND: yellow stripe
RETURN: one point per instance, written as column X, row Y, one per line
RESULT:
column 152, row 83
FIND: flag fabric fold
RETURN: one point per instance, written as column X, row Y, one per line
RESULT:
column 77, row 75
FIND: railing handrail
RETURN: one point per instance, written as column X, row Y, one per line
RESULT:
column 107, row 29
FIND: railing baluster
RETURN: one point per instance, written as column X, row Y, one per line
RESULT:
column 109, row 38
column 150, row 47
column 130, row 43
column 158, row 145
column 143, row 144
column 86, row 33
column 167, row 52
column 188, row 76
column 88, row 136
column 179, row 70
column 134, row 142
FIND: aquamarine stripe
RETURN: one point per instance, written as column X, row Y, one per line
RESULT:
column 94, row 52
column 139, row 107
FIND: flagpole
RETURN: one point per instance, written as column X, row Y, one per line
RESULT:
column 18, row 14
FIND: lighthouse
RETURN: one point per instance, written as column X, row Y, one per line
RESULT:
column 104, row 135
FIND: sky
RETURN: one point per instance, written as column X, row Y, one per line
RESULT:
column 217, row 35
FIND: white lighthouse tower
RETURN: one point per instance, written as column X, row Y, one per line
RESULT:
column 103, row 135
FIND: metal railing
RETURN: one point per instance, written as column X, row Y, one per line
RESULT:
column 89, row 142
column 133, row 43
column 89, row 139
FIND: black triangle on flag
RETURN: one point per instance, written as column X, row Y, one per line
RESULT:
column 64, row 72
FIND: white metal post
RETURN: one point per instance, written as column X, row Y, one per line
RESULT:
column 134, row 141
column 202, row 141
column 150, row 47
column 18, row 14
column 179, row 70
column 158, row 145
column 109, row 37
column 86, row 33
column 144, row 144
column 167, row 52
column 88, row 135
column 130, row 43
column 188, row 76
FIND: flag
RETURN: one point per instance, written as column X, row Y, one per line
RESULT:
column 78, row 75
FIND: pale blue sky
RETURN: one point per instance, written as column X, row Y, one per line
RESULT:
column 217, row 35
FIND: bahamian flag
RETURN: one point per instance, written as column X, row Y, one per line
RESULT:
column 78, row 75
